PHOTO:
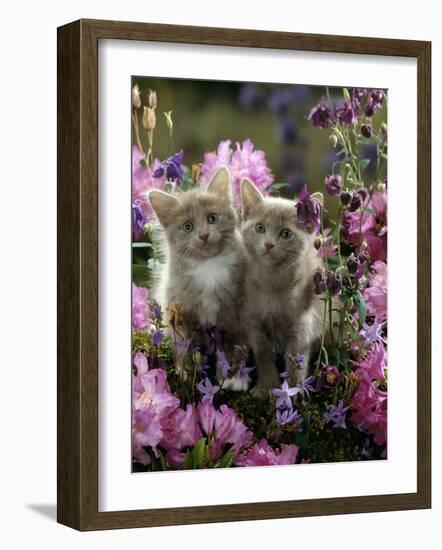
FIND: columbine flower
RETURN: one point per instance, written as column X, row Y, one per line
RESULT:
column 262, row 454
column 251, row 96
column 308, row 385
column 336, row 415
column 333, row 283
column 171, row 167
column 366, row 130
column 333, row 184
column 140, row 308
column 321, row 116
column 280, row 101
column 348, row 113
column 157, row 337
column 374, row 103
column 207, row 389
column 289, row 416
column 372, row 333
column 286, row 131
column 308, row 210
column 243, row 162
column 319, row 282
column 284, row 395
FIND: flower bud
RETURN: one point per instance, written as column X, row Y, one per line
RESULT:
column 333, row 184
column 355, row 203
column 369, row 109
column 353, row 354
column 364, row 257
column 366, row 130
column 318, row 242
column 383, row 128
column 345, row 198
column 333, row 283
column 149, row 118
column 333, row 139
column 152, row 99
column 196, row 173
column 318, row 282
column 136, row 97
column 381, row 187
column 364, row 245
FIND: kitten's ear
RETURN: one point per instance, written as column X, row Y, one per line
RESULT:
column 163, row 205
column 220, row 184
column 250, row 197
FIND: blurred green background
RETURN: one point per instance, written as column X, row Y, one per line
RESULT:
column 273, row 116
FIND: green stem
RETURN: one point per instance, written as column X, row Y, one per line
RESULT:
column 324, row 325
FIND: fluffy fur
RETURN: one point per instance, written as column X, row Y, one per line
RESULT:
column 204, row 254
column 280, row 314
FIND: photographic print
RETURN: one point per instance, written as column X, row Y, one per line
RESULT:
column 259, row 274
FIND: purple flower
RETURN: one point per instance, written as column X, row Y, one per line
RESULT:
column 222, row 365
column 251, row 96
column 243, row 162
column 355, row 202
column 333, row 184
column 286, row 131
column 288, row 416
column 140, row 364
column 318, row 282
column 207, row 389
column 330, row 376
column 138, row 220
column 355, row 267
column 348, row 113
column 262, row 454
column 280, row 101
column 336, row 415
column 366, row 130
column 372, row 333
column 140, row 308
column 284, row 395
column 243, row 372
column 284, row 374
column 172, row 167
column 321, row 116
column 346, row 198
column 333, row 283
column 308, row 210
column 156, row 310
column 374, row 103
column 157, row 336
column 299, row 360
column 307, row 385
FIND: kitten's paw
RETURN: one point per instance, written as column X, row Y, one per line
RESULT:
column 233, row 384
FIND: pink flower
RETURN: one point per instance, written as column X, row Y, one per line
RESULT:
column 206, row 416
column 229, row 429
column 140, row 308
column 262, row 454
column 376, row 292
column 373, row 229
column 243, row 162
column 141, row 366
column 369, row 403
column 180, row 429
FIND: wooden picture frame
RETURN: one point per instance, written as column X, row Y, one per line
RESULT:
column 77, row 129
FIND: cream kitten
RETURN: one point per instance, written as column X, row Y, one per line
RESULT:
column 280, row 313
column 204, row 255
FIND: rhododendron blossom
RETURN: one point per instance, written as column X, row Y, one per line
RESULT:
column 262, row 454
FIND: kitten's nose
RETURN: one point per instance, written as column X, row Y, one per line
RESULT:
column 204, row 237
column 269, row 246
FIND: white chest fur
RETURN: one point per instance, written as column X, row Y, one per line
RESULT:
column 210, row 279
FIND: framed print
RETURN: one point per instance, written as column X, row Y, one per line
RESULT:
column 243, row 275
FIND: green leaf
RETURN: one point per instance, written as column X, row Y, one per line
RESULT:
column 142, row 245
column 334, row 356
column 226, row 460
column 302, row 437
column 188, row 461
column 364, row 163
column 186, row 185
column 198, row 453
column 384, row 156
column 361, row 306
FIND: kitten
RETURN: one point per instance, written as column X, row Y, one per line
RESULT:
column 205, row 257
column 280, row 313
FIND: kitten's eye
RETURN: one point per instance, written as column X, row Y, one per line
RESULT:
column 212, row 218
column 188, row 226
column 285, row 233
column 259, row 228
